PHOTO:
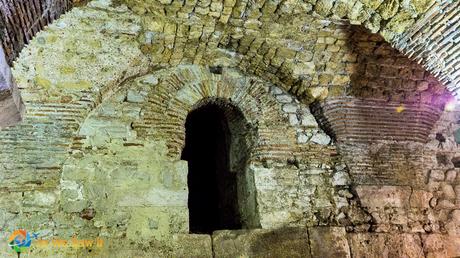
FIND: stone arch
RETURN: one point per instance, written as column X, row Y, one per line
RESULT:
column 185, row 89
column 155, row 135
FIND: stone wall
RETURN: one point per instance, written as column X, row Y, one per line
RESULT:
column 99, row 151
column 21, row 20
column 292, row 174
column 124, row 179
column 308, row 57
column 438, row 29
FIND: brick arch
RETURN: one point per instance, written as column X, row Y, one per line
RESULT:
column 191, row 86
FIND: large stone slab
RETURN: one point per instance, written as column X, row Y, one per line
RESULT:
column 385, row 245
column 181, row 246
column 328, row 242
column 286, row 242
column 384, row 196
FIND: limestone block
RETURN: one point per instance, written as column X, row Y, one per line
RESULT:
column 340, row 8
column 309, row 120
column 302, row 138
column 340, row 178
column 290, row 108
column 159, row 223
column 318, row 93
column 373, row 4
column 284, row 98
column 341, row 79
column 191, row 245
column 448, row 192
column 275, row 90
column 400, row 22
column 389, row 196
column 421, row 6
column 73, row 206
column 293, row 119
column 321, row 138
column 303, row 69
column 150, row 79
column 376, row 245
column 323, row 7
column 112, row 128
column 437, row 245
column 39, row 199
column 453, row 224
column 284, row 242
column 178, row 245
column 325, row 79
column 355, row 12
column 437, row 174
column 10, row 203
column 451, row 175
column 132, row 111
column 420, row 199
column 252, row 24
column 328, row 242
column 157, row 197
column 388, row 9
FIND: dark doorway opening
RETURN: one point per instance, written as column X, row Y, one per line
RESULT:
column 216, row 151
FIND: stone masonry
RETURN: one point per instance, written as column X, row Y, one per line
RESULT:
column 352, row 146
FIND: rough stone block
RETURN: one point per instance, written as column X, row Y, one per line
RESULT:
column 290, row 108
column 328, row 242
column 388, row 196
column 284, row 98
column 293, row 119
column 192, row 245
column 286, row 242
column 309, row 120
column 385, row 245
column 40, row 199
column 420, row 199
column 135, row 96
column 321, row 138
column 436, row 245
column 180, row 245
column 437, row 175
column 340, row 178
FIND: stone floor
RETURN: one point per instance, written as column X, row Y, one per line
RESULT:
column 285, row 242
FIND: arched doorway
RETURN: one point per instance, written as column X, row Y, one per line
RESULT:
column 217, row 148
